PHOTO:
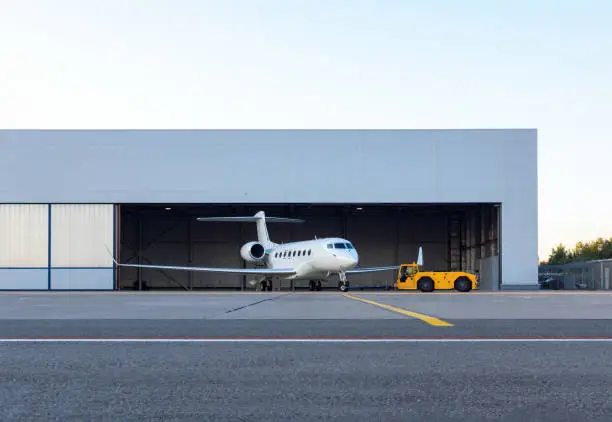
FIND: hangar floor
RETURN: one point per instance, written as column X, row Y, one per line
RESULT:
column 453, row 236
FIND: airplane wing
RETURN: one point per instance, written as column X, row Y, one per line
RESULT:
column 259, row 271
column 371, row 269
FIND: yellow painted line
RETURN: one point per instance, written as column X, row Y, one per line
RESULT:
column 426, row 318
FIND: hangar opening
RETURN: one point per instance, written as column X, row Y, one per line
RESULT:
column 454, row 237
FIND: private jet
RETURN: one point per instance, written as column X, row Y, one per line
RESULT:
column 314, row 260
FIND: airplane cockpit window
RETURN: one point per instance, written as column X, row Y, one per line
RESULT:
column 330, row 246
column 339, row 246
column 349, row 246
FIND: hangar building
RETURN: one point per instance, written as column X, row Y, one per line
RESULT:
column 469, row 197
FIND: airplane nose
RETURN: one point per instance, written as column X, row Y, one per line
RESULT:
column 351, row 261
column 347, row 260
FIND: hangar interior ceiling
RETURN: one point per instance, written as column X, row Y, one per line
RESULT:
column 453, row 236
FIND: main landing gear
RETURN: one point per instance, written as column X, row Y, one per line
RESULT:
column 315, row 285
column 344, row 283
column 266, row 285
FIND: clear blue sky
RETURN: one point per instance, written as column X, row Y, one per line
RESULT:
column 543, row 64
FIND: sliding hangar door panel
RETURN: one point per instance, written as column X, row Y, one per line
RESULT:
column 24, row 246
column 80, row 236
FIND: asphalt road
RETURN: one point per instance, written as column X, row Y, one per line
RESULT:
column 302, row 382
column 298, row 381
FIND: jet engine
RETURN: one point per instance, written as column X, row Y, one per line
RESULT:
column 252, row 252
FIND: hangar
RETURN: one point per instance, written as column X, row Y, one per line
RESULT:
column 467, row 196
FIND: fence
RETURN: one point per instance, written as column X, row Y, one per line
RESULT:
column 588, row 275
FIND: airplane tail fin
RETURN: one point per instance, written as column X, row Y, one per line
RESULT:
column 260, row 220
column 420, row 257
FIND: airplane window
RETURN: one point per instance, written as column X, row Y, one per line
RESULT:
column 339, row 246
column 309, row 251
column 349, row 246
column 330, row 246
column 293, row 253
column 299, row 253
column 304, row 253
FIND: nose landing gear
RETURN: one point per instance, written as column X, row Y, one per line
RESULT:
column 344, row 283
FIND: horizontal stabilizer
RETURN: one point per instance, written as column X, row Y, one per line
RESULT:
column 251, row 219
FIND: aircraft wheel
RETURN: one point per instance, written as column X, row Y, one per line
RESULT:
column 311, row 285
column 426, row 285
column 319, row 286
column 463, row 284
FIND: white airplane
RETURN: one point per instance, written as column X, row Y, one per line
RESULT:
column 312, row 260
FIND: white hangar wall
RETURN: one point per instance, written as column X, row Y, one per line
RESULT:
column 260, row 166
column 24, row 246
column 79, row 236
column 56, row 246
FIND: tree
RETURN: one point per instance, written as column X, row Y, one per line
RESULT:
column 559, row 256
column 606, row 250
column 599, row 248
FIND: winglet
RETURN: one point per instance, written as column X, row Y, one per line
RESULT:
column 111, row 254
column 420, row 257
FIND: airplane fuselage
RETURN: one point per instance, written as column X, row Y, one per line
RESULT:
column 313, row 259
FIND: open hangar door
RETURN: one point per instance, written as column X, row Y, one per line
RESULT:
column 453, row 237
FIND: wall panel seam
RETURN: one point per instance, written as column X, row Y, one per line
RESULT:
column 49, row 247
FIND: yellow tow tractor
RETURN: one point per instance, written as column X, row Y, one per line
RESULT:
column 410, row 277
